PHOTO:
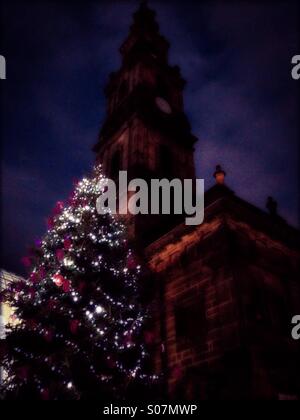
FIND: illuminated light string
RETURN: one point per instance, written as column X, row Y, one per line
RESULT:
column 69, row 343
column 66, row 225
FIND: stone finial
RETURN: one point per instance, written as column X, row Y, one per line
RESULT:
column 143, row 4
column 219, row 175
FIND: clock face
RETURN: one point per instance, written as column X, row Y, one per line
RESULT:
column 163, row 105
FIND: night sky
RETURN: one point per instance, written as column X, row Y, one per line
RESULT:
column 240, row 98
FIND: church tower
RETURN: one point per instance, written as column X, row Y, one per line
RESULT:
column 225, row 291
column 146, row 131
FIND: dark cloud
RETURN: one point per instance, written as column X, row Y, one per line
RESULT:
column 240, row 98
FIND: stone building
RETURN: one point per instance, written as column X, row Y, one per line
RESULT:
column 228, row 291
column 228, row 288
column 6, row 312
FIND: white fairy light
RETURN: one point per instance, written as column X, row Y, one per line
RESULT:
column 99, row 309
column 68, row 262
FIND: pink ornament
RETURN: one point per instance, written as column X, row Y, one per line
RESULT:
column 131, row 263
column 74, row 326
column 66, row 286
column 67, row 243
column 50, row 222
column 31, row 292
column 60, row 255
column 58, row 279
column 19, row 286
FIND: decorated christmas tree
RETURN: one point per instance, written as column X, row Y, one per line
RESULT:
column 80, row 317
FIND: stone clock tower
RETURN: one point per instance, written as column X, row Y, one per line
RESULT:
column 146, row 131
column 225, row 291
